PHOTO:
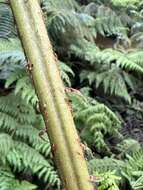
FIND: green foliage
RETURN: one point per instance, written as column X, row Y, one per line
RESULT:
column 128, row 146
column 107, row 116
column 11, row 57
column 110, row 68
column 107, row 22
column 7, row 28
column 134, row 169
column 8, row 181
column 24, row 86
column 10, row 44
column 122, row 60
column 114, row 81
column 106, row 164
column 109, row 181
column 20, row 121
column 23, row 158
column 124, row 3
column 96, row 119
column 62, row 18
column 130, row 168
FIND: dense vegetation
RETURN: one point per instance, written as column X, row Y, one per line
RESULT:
column 99, row 48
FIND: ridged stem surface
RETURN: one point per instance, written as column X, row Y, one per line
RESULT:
column 67, row 151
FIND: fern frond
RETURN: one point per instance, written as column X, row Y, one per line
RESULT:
column 134, row 169
column 65, row 70
column 30, row 135
column 128, row 146
column 120, row 59
column 85, row 50
column 98, row 119
column 138, row 184
column 18, row 109
column 9, row 61
column 7, row 28
column 8, row 181
column 24, row 86
column 137, row 38
column 135, row 160
column 61, row 23
column 5, row 145
column 131, row 168
column 61, row 20
column 124, row 3
column 109, row 180
column 22, row 157
column 114, row 83
column 20, row 120
column 107, row 22
column 128, row 61
column 10, row 44
column 137, row 57
column 59, row 4
column 106, row 164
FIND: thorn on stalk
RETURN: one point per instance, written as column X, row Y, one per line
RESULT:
column 83, row 146
column 53, row 149
column 68, row 90
column 41, row 133
column 80, row 154
column 92, row 179
column 68, row 102
column 44, row 106
column 29, row 67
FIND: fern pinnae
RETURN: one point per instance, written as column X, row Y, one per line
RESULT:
column 98, row 119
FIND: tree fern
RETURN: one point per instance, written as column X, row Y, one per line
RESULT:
column 114, row 74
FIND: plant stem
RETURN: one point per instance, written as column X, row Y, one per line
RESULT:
column 67, row 151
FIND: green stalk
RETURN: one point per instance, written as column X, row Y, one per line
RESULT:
column 67, row 151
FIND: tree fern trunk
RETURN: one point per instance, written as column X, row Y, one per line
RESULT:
column 44, row 71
